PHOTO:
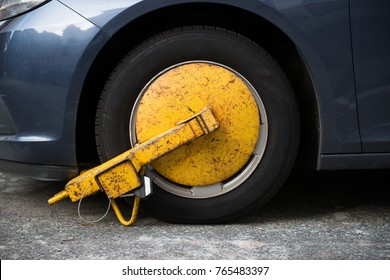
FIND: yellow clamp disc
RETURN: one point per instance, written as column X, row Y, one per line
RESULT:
column 180, row 92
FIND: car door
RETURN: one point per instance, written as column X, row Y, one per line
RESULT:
column 370, row 23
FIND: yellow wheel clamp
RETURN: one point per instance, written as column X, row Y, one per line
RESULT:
column 120, row 175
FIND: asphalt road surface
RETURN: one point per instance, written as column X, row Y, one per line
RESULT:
column 342, row 215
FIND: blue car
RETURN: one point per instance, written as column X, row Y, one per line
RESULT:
column 290, row 81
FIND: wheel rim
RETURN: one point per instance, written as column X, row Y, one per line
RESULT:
column 205, row 168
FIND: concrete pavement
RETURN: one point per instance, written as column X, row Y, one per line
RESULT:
column 342, row 215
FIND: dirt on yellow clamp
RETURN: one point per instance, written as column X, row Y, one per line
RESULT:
column 119, row 175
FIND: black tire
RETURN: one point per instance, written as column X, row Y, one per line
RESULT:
column 236, row 52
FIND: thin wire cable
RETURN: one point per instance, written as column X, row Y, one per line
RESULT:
column 97, row 220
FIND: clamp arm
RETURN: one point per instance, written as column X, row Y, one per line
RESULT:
column 119, row 175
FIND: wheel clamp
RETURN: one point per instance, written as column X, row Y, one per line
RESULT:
column 120, row 175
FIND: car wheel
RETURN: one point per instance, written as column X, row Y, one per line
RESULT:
column 172, row 76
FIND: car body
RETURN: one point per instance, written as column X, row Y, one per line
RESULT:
column 56, row 57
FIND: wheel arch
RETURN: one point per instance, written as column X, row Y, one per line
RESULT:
column 253, row 25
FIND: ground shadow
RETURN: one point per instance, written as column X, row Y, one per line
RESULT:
column 308, row 193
